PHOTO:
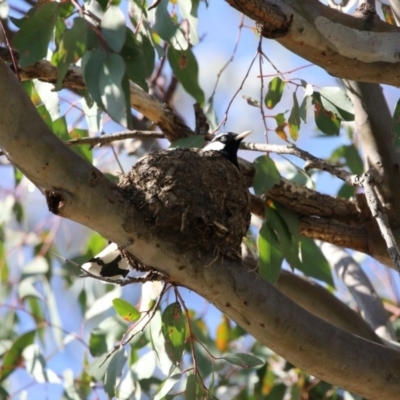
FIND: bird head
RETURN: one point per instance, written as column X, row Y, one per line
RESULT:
column 227, row 144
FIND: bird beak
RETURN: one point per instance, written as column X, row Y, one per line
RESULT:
column 242, row 135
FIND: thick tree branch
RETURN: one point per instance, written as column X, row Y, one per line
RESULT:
column 78, row 191
column 374, row 126
column 345, row 46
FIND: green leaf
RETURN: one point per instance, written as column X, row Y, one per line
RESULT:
column 114, row 371
column 93, row 115
column 327, row 121
column 138, row 65
column 97, row 368
column 13, row 357
column 126, row 310
column 60, row 128
column 26, row 288
column 314, row 263
column 52, row 310
column 91, row 66
column 110, row 86
column 3, row 392
column 173, row 328
column 71, row 48
column 18, row 211
column 303, row 109
column 48, row 97
column 166, row 386
column 188, row 11
column 8, row 325
column 3, row 260
column 396, row 126
column 288, row 243
column 70, row 386
column 335, row 100
column 185, row 68
column 269, row 254
column 346, row 191
column 294, row 120
column 37, row 312
column 97, row 343
column 223, row 334
column 37, row 266
column 42, row 111
column 194, row 141
column 352, row 157
column 35, row 363
column 267, row 175
column 243, row 360
column 274, row 94
column 167, row 28
column 194, row 388
column 83, row 151
column 281, row 125
column 291, row 220
column 113, row 28
column 18, row 175
column 33, row 38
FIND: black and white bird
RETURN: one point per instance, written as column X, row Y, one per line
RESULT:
column 227, row 144
column 111, row 262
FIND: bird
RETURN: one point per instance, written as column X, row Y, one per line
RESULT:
column 112, row 263
column 227, row 144
column 109, row 263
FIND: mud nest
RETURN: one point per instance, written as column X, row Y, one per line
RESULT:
column 196, row 200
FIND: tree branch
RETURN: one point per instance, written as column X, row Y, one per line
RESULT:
column 345, row 46
column 374, row 126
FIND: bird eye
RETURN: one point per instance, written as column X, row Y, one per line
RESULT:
column 223, row 139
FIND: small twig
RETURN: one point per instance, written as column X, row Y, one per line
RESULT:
column 311, row 161
column 260, row 62
column 106, row 139
column 12, row 53
column 368, row 180
column 238, row 90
